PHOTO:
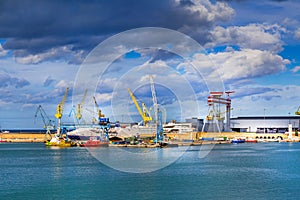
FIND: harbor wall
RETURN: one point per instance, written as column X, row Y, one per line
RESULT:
column 38, row 137
column 23, row 137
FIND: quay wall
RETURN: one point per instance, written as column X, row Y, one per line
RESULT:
column 39, row 137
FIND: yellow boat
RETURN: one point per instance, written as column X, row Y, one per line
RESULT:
column 59, row 143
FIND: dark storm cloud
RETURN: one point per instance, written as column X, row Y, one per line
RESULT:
column 34, row 27
column 250, row 0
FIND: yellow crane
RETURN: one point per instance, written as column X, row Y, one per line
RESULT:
column 144, row 113
column 298, row 111
column 79, row 106
column 59, row 110
column 102, row 120
column 100, row 115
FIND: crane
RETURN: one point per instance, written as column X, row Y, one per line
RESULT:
column 154, row 99
column 298, row 111
column 158, row 120
column 59, row 111
column 79, row 106
column 145, row 112
column 48, row 123
column 101, row 117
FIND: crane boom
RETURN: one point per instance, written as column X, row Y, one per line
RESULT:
column 59, row 112
column 154, row 99
column 79, row 106
column 157, row 113
column 143, row 112
column 101, row 117
column 98, row 109
column 60, row 106
column 46, row 120
column 298, row 111
column 48, row 124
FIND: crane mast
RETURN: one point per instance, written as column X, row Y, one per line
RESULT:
column 144, row 113
column 101, row 117
column 154, row 99
column 158, row 120
column 59, row 111
column 79, row 106
column 298, row 111
column 48, row 123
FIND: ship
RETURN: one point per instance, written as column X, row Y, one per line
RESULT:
column 60, row 142
column 94, row 142
column 173, row 127
column 85, row 133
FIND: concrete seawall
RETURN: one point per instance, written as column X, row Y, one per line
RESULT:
column 38, row 137
column 23, row 137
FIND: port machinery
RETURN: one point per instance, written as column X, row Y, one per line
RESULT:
column 59, row 112
column 157, row 113
column 77, row 112
column 298, row 111
column 48, row 123
column 144, row 112
column 215, row 100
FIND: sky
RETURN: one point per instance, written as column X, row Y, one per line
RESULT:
column 253, row 46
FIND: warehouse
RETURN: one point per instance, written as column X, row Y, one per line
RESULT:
column 265, row 124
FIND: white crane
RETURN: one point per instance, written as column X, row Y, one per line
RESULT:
column 158, row 120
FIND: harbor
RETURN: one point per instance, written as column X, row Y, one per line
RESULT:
column 184, row 139
column 271, row 170
column 152, row 132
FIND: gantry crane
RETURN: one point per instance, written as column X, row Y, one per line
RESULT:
column 59, row 111
column 145, row 114
column 48, row 123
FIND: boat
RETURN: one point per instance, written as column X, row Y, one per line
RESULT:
column 94, row 142
column 238, row 140
column 2, row 141
column 84, row 133
column 251, row 140
column 59, row 142
column 174, row 127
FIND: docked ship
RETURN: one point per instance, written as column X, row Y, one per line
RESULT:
column 135, row 130
column 173, row 127
column 60, row 142
column 94, row 142
column 85, row 133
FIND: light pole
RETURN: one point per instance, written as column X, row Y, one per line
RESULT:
column 264, row 120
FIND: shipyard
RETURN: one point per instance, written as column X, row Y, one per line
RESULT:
column 151, row 132
column 151, row 100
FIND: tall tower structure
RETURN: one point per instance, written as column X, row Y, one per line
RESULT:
column 216, row 115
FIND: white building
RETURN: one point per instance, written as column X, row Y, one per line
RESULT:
column 267, row 124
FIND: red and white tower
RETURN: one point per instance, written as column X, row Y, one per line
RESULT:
column 215, row 100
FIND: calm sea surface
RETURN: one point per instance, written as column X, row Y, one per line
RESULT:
column 231, row 171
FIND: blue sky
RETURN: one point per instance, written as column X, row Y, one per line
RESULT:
column 254, row 45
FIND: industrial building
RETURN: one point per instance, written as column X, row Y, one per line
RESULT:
column 265, row 124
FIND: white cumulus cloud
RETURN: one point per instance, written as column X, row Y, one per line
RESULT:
column 253, row 36
column 248, row 63
column 297, row 33
column 296, row 69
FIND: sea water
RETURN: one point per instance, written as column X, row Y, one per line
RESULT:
column 229, row 171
